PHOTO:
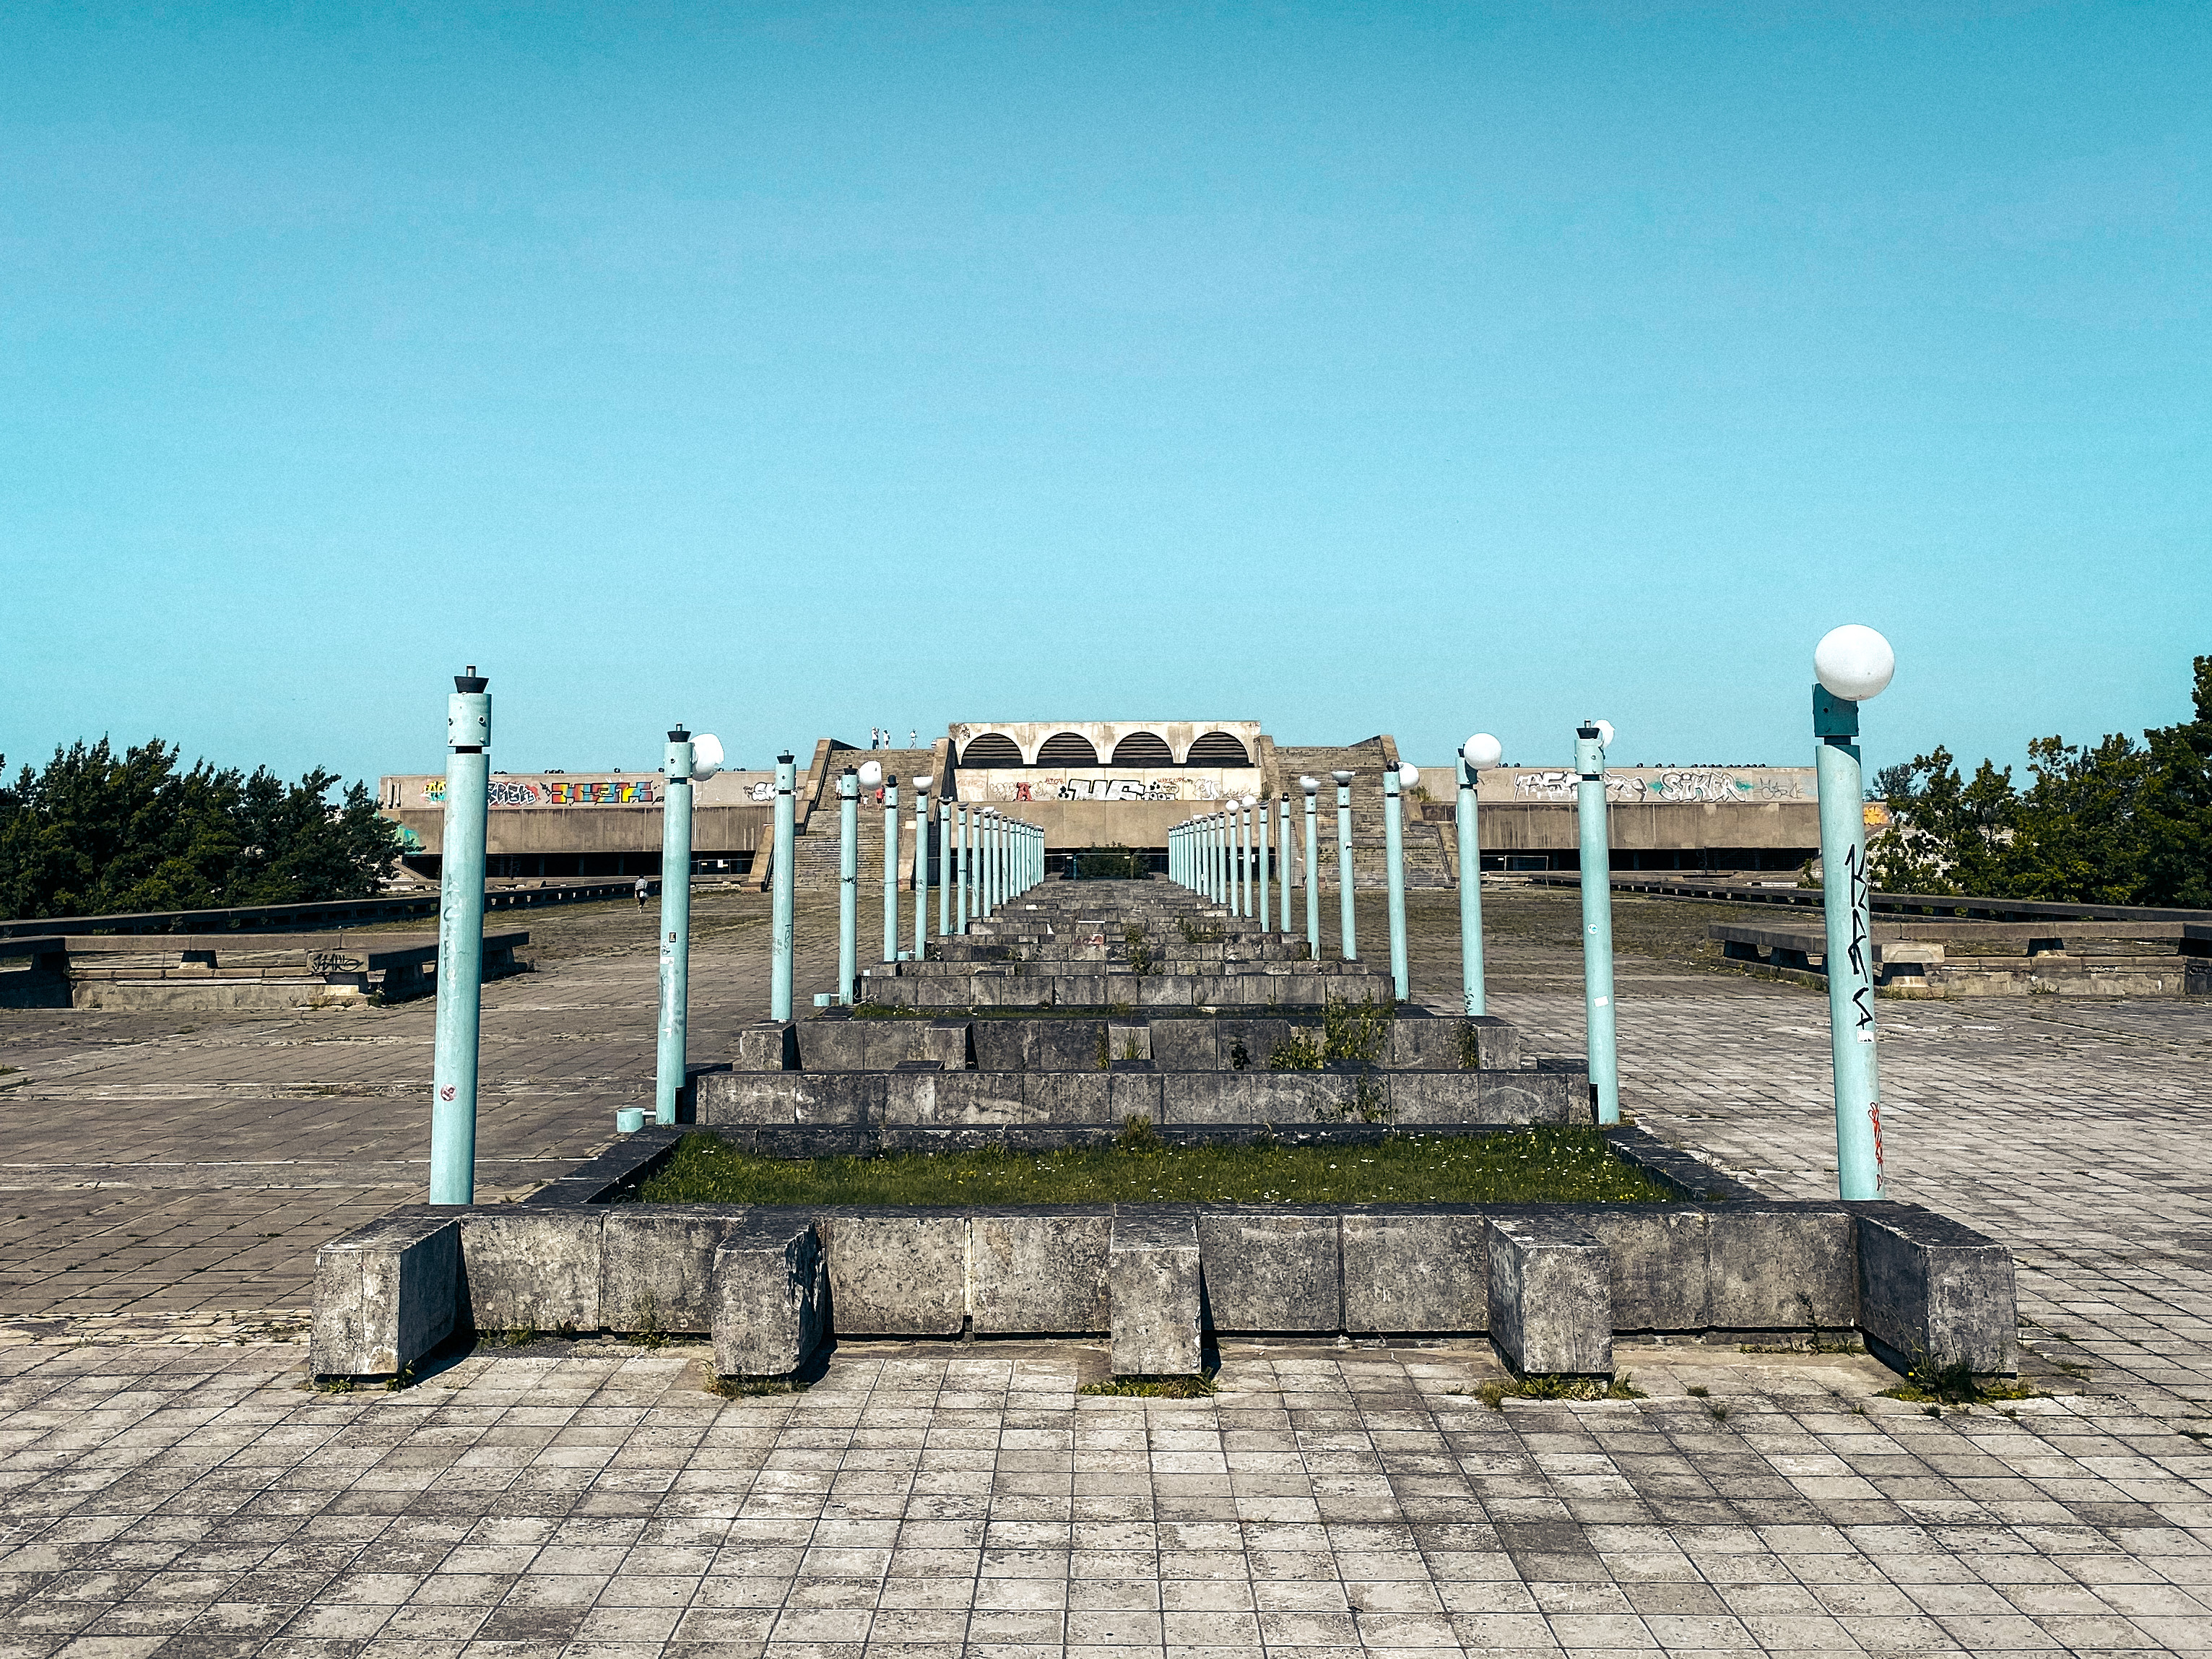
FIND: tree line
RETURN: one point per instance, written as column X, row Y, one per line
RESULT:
column 95, row 832
column 2116, row 822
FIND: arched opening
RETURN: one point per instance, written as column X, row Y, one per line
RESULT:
column 992, row 748
column 1217, row 749
column 1143, row 748
column 1067, row 749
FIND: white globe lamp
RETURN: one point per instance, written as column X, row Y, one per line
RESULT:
column 1853, row 662
column 871, row 773
column 1482, row 752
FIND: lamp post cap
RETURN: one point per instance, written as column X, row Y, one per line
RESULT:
column 1341, row 777
column 470, row 681
column 1308, row 783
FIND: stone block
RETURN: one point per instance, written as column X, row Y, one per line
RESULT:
column 748, row 1098
column 656, row 1266
column 1189, row 1099
column 975, row 1099
column 1001, row 1045
column 1154, row 1291
column 1659, row 1259
column 1037, row 1273
column 770, row 1295
column 1551, row 1296
column 1167, row 991
column 1934, row 1291
column 1068, row 1045
column 524, row 1268
column 768, row 1045
column 1185, row 1045
column 385, row 1294
column 853, row 1100
column 1133, row 1093
column 1422, row 1041
column 1420, row 1273
column 1246, row 1045
column 1066, row 1098
column 1269, row 1271
column 952, row 1041
column 1781, row 1266
column 897, row 1274
column 1128, row 1039
column 833, row 1045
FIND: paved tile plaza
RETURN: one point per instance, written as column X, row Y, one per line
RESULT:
column 168, row 1483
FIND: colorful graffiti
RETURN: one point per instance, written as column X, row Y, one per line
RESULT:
column 514, row 791
column 1112, row 789
column 1665, row 788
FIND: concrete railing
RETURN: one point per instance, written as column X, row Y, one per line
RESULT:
column 332, row 912
column 1911, row 904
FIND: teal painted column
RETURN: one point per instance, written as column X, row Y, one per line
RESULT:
column 674, row 1046
column 944, row 861
column 1348, row 923
column 1480, row 753
column 460, row 942
column 1591, row 741
column 1220, row 836
column 1854, row 663
column 1259, row 863
column 961, row 870
column 987, row 851
column 921, row 868
column 1283, row 869
column 1240, row 842
column 1393, row 860
column 783, row 881
column 891, row 869
column 1311, row 786
column 848, row 884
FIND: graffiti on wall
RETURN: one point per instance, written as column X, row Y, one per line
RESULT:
column 1664, row 789
column 1139, row 789
column 516, row 792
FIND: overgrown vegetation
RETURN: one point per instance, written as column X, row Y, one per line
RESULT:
column 1195, row 932
column 1356, row 1031
column 96, row 832
column 1926, row 1384
column 1115, row 863
column 1523, row 1166
column 1495, row 1393
column 1137, row 949
column 2118, row 822
column 1156, row 1387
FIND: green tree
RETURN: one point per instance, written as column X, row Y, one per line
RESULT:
column 94, row 832
column 2177, row 805
column 1951, row 834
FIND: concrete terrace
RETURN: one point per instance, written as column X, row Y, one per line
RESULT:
column 167, row 1486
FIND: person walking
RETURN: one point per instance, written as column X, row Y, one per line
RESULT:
column 643, row 888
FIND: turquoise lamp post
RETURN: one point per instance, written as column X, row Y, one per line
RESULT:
column 849, row 883
column 1851, row 663
column 783, row 881
column 1311, row 786
column 460, row 941
column 1592, row 738
column 1348, row 923
column 1395, row 781
column 1477, row 756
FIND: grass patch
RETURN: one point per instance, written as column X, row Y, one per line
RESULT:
column 1937, row 1386
column 1155, row 1387
column 1495, row 1393
column 1543, row 1165
column 752, row 1387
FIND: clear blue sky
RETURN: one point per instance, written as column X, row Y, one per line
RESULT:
column 793, row 370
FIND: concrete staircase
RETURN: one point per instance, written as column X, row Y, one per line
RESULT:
column 814, row 853
column 1428, row 860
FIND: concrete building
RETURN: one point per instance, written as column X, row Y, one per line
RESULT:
column 1125, row 783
